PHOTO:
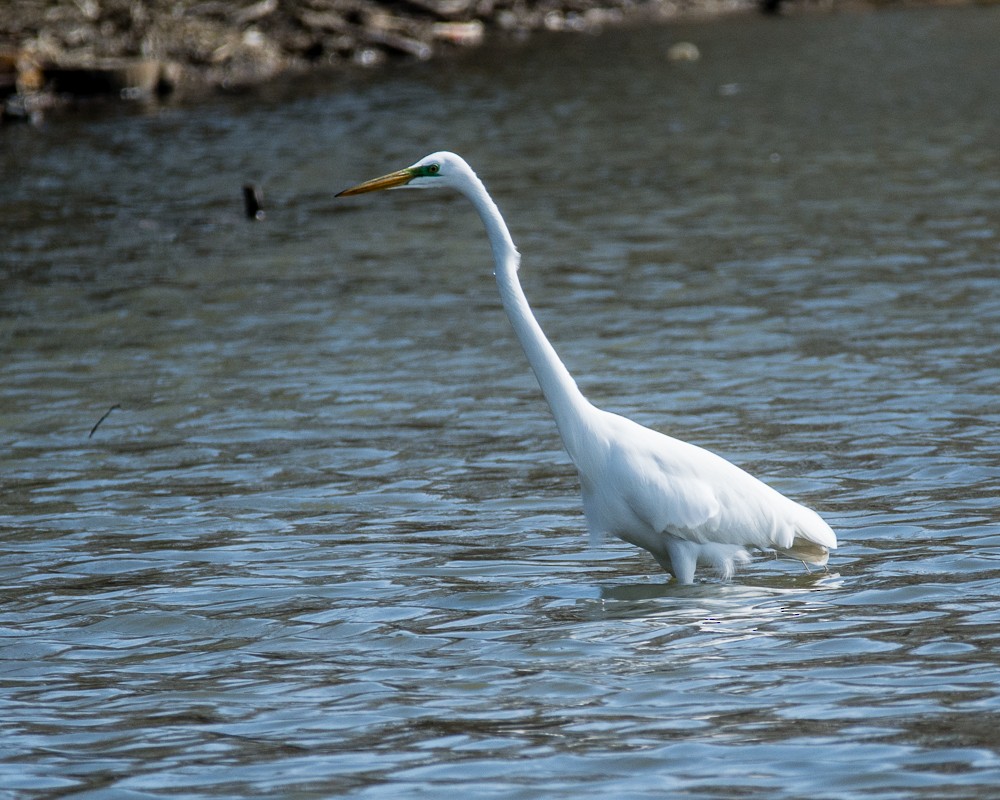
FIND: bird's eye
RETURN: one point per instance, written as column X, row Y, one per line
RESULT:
column 433, row 169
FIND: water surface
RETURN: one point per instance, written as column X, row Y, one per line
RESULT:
column 329, row 544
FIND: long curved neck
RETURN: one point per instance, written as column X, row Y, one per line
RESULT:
column 567, row 403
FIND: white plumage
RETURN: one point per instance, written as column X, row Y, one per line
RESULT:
column 685, row 505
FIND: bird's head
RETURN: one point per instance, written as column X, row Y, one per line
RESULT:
column 436, row 170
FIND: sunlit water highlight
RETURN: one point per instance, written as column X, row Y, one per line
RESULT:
column 330, row 546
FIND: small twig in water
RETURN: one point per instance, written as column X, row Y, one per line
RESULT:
column 106, row 413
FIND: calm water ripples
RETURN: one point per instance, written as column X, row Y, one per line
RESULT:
column 329, row 544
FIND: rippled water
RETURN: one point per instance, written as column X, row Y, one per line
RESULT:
column 329, row 544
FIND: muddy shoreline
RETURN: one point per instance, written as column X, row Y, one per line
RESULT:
column 52, row 53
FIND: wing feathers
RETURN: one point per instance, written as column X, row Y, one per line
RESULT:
column 698, row 496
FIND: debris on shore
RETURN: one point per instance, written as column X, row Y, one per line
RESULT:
column 56, row 49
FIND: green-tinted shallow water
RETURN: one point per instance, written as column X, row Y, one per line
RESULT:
column 330, row 545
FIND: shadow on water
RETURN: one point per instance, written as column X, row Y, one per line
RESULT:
column 746, row 588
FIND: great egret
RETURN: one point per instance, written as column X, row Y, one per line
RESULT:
column 685, row 505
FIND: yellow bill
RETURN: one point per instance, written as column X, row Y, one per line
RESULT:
column 390, row 181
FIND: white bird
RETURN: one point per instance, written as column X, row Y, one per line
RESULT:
column 685, row 505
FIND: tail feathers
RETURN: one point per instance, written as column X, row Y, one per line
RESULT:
column 813, row 539
column 807, row 551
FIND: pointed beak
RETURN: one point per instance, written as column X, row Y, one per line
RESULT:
column 390, row 181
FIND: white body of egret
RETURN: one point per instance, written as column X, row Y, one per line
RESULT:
column 685, row 505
